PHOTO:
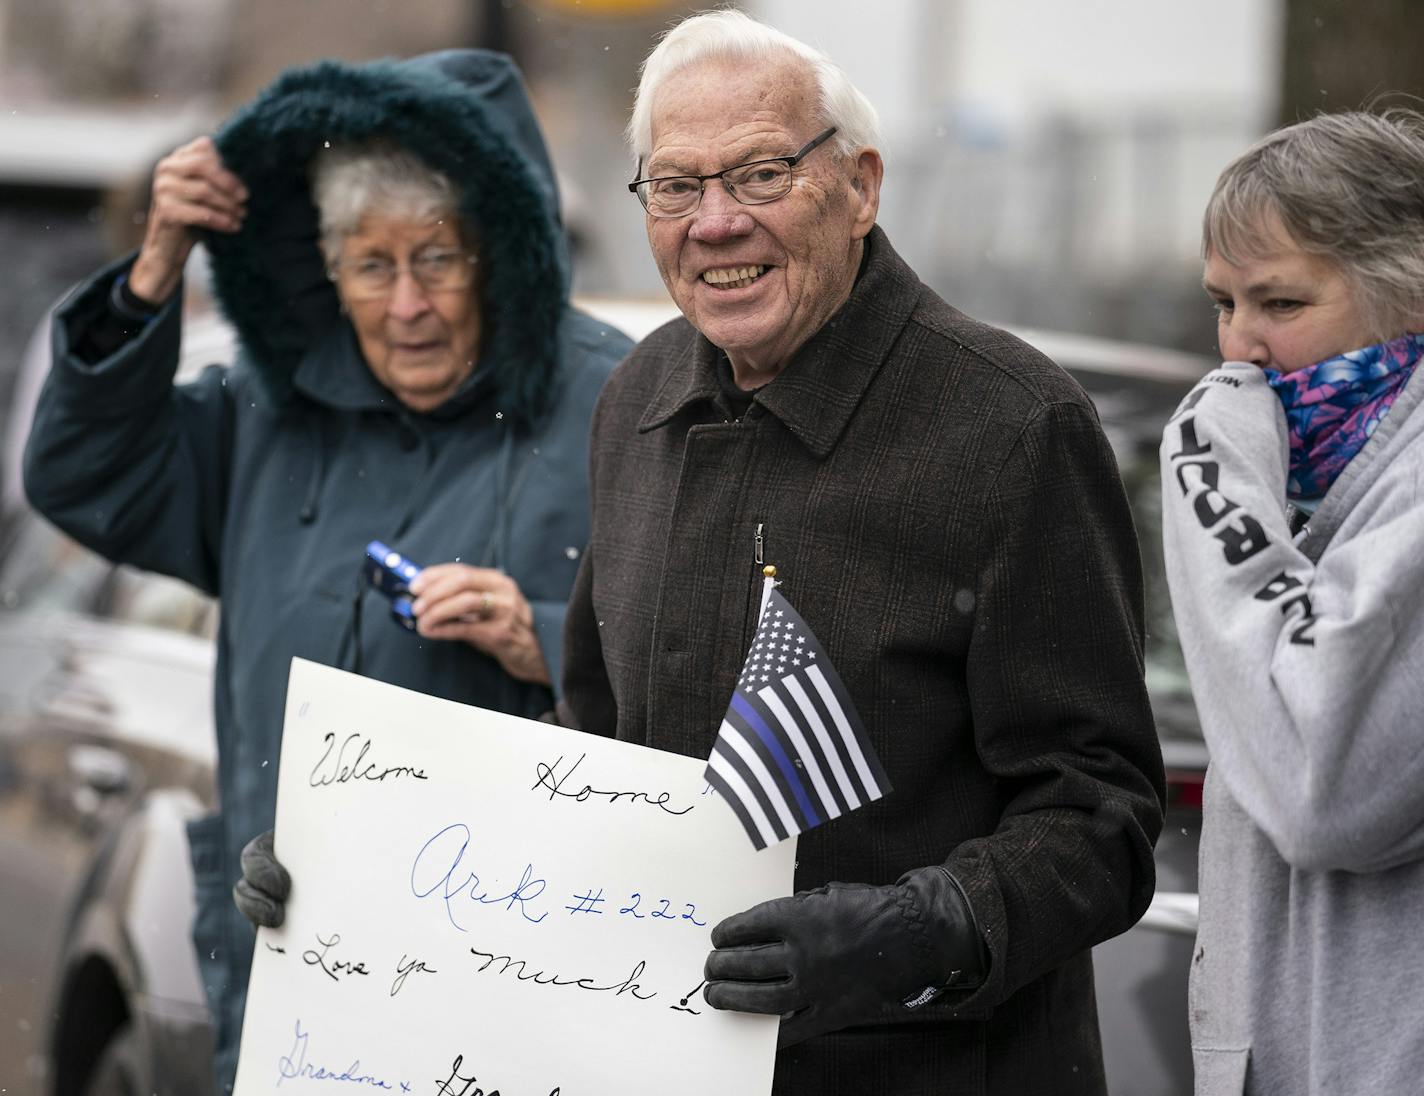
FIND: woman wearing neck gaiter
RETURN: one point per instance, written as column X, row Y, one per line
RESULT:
column 1293, row 521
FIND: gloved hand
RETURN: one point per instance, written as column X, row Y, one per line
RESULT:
column 847, row 953
column 262, row 891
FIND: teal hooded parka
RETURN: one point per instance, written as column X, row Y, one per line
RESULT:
column 262, row 483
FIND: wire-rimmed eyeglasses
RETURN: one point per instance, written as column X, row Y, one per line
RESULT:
column 753, row 183
column 436, row 271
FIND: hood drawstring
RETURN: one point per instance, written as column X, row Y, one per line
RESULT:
column 355, row 634
column 307, row 514
column 349, row 642
column 503, row 502
column 502, row 499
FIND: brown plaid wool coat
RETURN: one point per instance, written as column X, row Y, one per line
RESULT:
column 945, row 513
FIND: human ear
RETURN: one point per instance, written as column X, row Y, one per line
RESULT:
column 868, row 169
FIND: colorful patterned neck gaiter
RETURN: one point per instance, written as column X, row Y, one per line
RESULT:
column 1332, row 408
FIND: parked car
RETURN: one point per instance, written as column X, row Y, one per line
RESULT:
column 106, row 750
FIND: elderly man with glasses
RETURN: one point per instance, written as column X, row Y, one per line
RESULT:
column 946, row 516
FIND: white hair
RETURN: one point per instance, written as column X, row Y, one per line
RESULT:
column 731, row 35
column 350, row 181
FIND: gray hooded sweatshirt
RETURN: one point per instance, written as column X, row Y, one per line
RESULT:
column 1306, row 657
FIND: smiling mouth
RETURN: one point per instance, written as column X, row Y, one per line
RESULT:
column 733, row 277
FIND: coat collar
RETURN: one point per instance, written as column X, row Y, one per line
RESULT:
column 817, row 393
column 333, row 373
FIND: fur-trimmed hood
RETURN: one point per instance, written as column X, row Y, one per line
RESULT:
column 466, row 113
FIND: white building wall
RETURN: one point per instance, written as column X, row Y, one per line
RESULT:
column 1067, row 139
column 1021, row 58
column 887, row 53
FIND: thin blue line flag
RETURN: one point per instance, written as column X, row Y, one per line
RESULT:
column 791, row 752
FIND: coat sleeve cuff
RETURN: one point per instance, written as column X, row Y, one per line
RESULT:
column 972, row 870
column 136, row 374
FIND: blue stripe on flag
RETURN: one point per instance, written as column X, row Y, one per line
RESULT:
column 756, row 723
column 726, row 752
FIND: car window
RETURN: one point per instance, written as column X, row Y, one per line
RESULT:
column 1166, row 669
column 1133, row 414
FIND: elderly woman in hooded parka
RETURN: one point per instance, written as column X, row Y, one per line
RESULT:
column 410, row 372
column 1293, row 524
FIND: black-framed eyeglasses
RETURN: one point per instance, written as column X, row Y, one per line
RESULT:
column 755, row 183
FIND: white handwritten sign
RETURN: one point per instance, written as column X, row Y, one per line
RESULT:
column 484, row 904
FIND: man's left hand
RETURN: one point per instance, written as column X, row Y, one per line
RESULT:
column 846, row 953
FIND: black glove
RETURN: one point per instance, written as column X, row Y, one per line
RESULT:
column 262, row 891
column 847, row 953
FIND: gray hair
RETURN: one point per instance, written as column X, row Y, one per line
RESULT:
column 731, row 35
column 350, row 181
column 1348, row 188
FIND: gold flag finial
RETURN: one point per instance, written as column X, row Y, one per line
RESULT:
column 769, row 571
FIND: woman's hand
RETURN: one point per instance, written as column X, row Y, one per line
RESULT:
column 485, row 609
column 191, row 190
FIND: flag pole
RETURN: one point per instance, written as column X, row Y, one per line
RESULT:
column 767, row 585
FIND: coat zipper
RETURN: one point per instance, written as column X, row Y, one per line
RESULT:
column 749, row 624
